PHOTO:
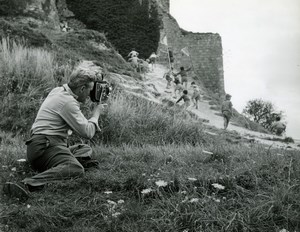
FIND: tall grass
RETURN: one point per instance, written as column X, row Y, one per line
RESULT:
column 133, row 120
column 27, row 75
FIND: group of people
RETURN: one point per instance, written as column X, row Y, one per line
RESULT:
column 181, row 88
column 139, row 64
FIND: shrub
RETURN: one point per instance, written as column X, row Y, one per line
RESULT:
column 127, row 24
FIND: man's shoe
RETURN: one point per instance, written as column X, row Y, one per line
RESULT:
column 15, row 191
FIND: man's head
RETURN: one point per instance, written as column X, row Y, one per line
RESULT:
column 228, row 96
column 81, row 83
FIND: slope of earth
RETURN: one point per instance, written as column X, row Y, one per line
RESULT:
column 153, row 87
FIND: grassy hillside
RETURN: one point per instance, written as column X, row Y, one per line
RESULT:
column 160, row 170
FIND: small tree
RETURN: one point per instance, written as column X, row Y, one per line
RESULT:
column 262, row 112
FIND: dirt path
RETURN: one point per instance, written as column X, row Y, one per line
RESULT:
column 155, row 79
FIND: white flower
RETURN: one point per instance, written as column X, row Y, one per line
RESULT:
column 193, row 200
column 121, row 201
column 192, row 179
column 216, row 200
column 283, row 230
column 184, row 192
column 108, row 192
column 161, row 183
column 146, row 191
column 21, row 160
column 111, row 202
column 207, row 152
column 116, row 214
column 28, row 206
column 14, row 169
column 218, row 186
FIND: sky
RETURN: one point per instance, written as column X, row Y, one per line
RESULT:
column 261, row 49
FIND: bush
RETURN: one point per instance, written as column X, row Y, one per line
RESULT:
column 127, row 24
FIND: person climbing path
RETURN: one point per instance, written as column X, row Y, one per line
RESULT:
column 185, row 98
column 196, row 96
column 183, row 74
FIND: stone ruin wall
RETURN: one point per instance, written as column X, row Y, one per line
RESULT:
column 205, row 51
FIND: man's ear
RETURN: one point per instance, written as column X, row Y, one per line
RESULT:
column 82, row 88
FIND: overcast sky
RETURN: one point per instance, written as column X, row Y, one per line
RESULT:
column 261, row 48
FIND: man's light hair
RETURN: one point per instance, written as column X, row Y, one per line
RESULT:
column 83, row 74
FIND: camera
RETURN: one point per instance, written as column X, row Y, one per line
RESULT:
column 101, row 91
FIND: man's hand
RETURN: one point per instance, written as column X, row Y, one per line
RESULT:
column 98, row 110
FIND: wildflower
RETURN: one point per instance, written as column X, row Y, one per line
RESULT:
column 207, row 152
column 144, row 174
column 146, row 191
column 14, row 169
column 184, row 192
column 21, row 160
column 218, row 186
column 161, row 183
column 111, row 202
column 108, row 192
column 216, row 200
column 192, row 179
column 121, row 201
column 283, row 230
column 116, row 214
column 193, row 200
column 185, row 199
column 28, row 206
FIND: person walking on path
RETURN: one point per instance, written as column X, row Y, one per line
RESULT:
column 169, row 77
column 196, row 97
column 152, row 60
column 183, row 74
column 47, row 148
column 278, row 127
column 177, row 88
column 185, row 98
column 134, row 60
column 133, row 53
column 226, row 110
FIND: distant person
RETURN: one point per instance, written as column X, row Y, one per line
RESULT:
column 168, row 76
column 133, row 53
column 134, row 60
column 152, row 60
column 278, row 127
column 178, row 87
column 183, row 74
column 196, row 97
column 226, row 110
column 185, row 98
column 171, row 57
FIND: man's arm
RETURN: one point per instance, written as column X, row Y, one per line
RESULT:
column 73, row 116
